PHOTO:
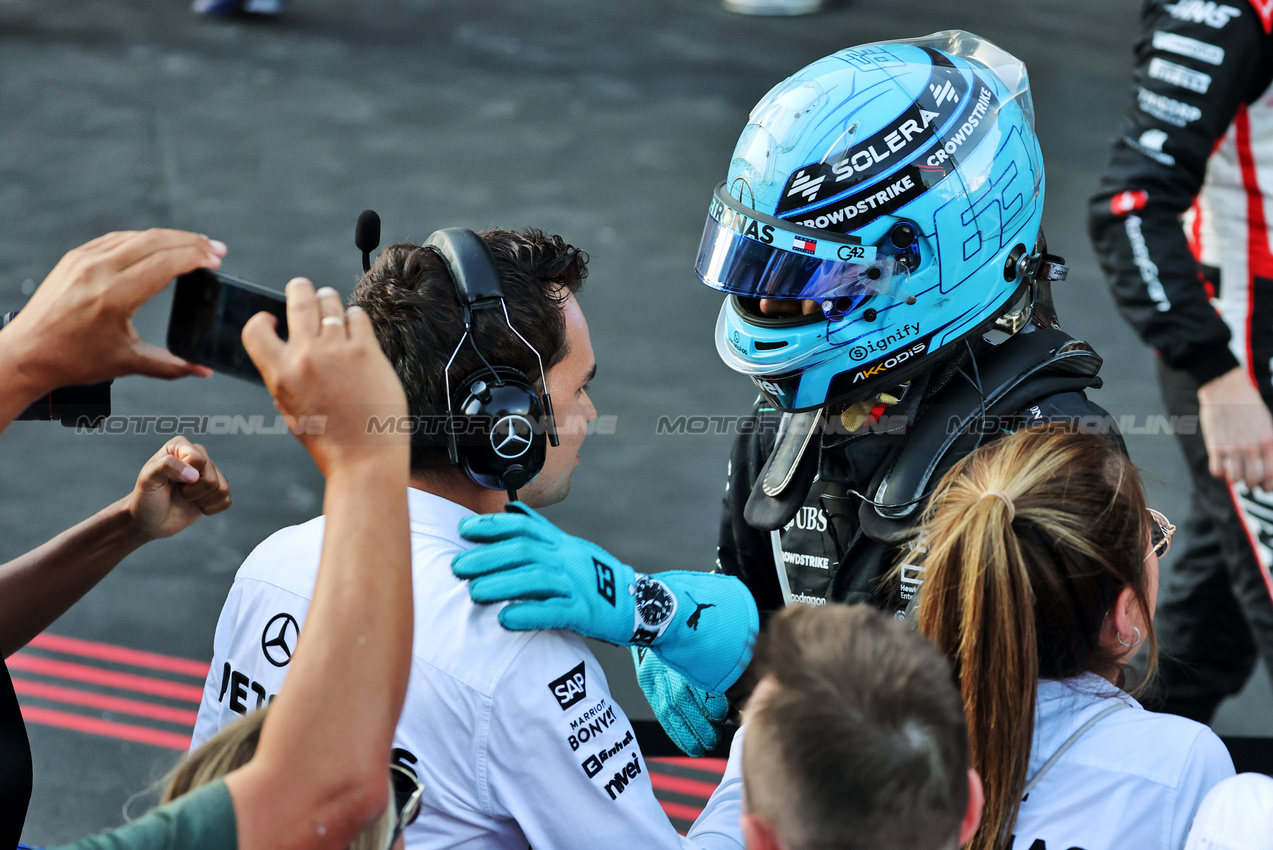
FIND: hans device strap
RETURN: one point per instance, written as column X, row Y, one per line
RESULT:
column 788, row 473
column 1023, row 369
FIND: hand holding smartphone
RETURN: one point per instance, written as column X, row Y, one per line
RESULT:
column 209, row 310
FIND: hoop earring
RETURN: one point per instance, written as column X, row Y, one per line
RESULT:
column 1136, row 642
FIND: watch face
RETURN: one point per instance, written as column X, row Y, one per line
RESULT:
column 654, row 602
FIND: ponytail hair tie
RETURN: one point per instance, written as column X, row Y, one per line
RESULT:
column 999, row 494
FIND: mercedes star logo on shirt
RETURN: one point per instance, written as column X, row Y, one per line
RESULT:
column 511, row 436
column 278, row 641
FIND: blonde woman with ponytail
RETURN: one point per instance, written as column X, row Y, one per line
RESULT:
column 1041, row 573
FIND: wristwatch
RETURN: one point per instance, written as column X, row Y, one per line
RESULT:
column 655, row 608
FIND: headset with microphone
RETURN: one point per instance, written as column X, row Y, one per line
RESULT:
column 503, row 421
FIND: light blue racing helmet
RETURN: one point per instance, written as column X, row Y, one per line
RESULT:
column 897, row 186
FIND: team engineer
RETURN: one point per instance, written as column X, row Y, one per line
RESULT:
column 514, row 734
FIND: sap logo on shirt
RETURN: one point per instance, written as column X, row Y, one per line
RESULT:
column 620, row 781
column 570, row 688
column 592, row 764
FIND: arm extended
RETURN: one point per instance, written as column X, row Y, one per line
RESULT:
column 320, row 772
column 176, row 486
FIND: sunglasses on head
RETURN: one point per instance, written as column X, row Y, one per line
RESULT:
column 407, row 793
column 1160, row 532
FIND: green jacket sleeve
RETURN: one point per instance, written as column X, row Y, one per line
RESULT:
column 200, row 820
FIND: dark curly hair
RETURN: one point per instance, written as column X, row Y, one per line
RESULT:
column 417, row 318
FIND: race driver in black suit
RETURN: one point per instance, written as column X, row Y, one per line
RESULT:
column 1181, row 227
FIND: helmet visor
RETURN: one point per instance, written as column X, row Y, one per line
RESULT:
column 753, row 255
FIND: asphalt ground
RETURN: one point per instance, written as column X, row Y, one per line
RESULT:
column 607, row 123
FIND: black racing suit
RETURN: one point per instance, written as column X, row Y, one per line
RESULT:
column 15, row 764
column 826, row 551
column 1197, row 143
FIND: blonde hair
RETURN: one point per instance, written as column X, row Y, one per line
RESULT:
column 234, row 747
column 1018, row 586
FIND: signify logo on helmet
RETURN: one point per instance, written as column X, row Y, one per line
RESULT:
column 861, row 351
column 886, row 364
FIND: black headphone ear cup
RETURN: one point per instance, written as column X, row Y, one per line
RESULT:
column 497, row 425
column 499, row 428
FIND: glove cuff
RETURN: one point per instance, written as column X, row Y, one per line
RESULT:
column 709, row 635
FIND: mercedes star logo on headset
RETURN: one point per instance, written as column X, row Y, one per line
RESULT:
column 511, row 436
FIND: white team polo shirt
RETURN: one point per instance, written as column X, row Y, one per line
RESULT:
column 514, row 734
column 1134, row 780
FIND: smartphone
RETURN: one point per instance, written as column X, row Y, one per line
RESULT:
column 209, row 310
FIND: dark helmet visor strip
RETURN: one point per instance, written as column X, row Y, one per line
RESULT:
column 747, row 253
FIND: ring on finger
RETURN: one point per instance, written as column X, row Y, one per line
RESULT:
column 329, row 321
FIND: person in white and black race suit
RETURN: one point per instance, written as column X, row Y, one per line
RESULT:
column 878, row 238
column 514, row 735
column 1197, row 142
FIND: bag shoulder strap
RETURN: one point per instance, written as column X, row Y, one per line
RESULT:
column 1069, row 742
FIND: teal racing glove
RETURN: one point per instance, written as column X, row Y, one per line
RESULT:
column 693, row 718
column 703, row 624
